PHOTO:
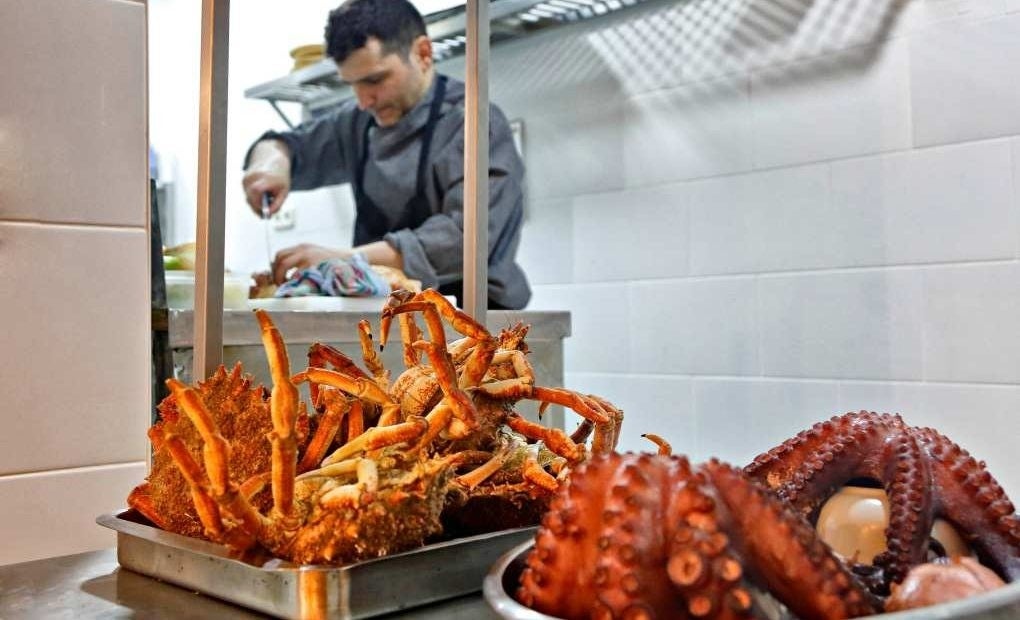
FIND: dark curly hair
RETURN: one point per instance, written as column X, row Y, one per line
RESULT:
column 396, row 23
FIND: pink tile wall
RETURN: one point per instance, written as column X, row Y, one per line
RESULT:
column 73, row 270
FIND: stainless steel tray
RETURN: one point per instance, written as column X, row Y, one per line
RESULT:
column 1000, row 604
column 432, row 573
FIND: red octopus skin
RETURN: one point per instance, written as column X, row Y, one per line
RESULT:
column 648, row 536
column 925, row 476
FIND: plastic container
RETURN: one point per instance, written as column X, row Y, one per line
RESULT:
column 180, row 290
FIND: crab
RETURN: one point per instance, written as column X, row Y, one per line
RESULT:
column 239, row 407
column 350, row 510
column 466, row 395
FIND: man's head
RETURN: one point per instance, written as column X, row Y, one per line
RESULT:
column 383, row 52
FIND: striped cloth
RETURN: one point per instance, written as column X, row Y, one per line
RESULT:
column 336, row 277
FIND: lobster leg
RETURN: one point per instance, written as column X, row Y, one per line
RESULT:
column 513, row 390
column 458, row 400
column 320, row 354
column 283, row 407
column 554, row 439
column 362, row 387
column 372, row 361
column 336, row 406
column 379, row 437
column 435, row 307
column 215, row 454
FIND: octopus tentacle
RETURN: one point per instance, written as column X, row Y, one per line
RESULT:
column 910, row 507
column 924, row 474
column 782, row 547
column 622, row 519
column 973, row 501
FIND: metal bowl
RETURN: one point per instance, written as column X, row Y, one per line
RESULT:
column 1002, row 604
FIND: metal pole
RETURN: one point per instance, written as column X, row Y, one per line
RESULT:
column 476, row 161
column 212, row 158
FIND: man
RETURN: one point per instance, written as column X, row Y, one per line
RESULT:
column 400, row 144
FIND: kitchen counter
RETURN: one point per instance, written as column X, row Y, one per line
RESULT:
column 93, row 585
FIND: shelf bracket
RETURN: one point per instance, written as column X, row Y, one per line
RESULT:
column 286, row 120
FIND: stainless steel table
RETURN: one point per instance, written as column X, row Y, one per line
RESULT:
column 92, row 585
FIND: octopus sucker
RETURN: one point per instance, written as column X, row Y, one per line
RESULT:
column 709, row 534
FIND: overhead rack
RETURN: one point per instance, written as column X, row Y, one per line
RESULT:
column 319, row 86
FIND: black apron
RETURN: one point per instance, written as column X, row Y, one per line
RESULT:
column 372, row 225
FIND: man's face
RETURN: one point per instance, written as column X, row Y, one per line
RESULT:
column 386, row 85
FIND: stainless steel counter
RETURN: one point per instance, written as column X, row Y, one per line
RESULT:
column 92, row 585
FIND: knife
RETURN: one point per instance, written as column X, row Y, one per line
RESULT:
column 266, row 201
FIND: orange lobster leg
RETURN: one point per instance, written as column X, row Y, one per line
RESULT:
column 397, row 298
column 379, row 437
column 554, row 439
column 512, row 389
column 534, row 473
column 458, row 400
column 350, row 494
column 283, row 407
column 320, row 354
column 360, row 387
column 206, row 507
column 355, row 420
column 215, row 454
column 480, row 474
column 438, row 419
column 336, row 406
column 664, row 447
column 608, row 434
column 368, row 353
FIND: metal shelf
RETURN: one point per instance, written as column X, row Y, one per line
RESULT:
column 318, row 86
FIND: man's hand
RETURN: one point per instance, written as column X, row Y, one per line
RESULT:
column 268, row 173
column 301, row 257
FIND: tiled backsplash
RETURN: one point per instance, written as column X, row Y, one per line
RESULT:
column 820, row 219
column 74, row 271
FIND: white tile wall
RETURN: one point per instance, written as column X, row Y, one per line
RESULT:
column 972, row 323
column 963, row 81
column 701, row 327
column 546, row 252
column 842, row 325
column 631, row 235
column 574, row 151
column 696, row 130
column 71, row 134
column 78, row 377
column 600, row 324
column 768, row 221
column 839, row 105
column 739, row 419
column 74, row 271
column 850, row 174
column 931, row 205
column 54, row 513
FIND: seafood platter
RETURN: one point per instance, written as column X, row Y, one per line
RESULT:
column 378, row 492
column 381, row 491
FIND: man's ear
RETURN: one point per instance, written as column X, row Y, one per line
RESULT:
column 422, row 49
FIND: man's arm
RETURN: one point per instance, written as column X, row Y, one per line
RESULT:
column 317, row 153
column 268, row 172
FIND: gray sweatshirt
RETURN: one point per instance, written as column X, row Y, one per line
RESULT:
column 325, row 151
